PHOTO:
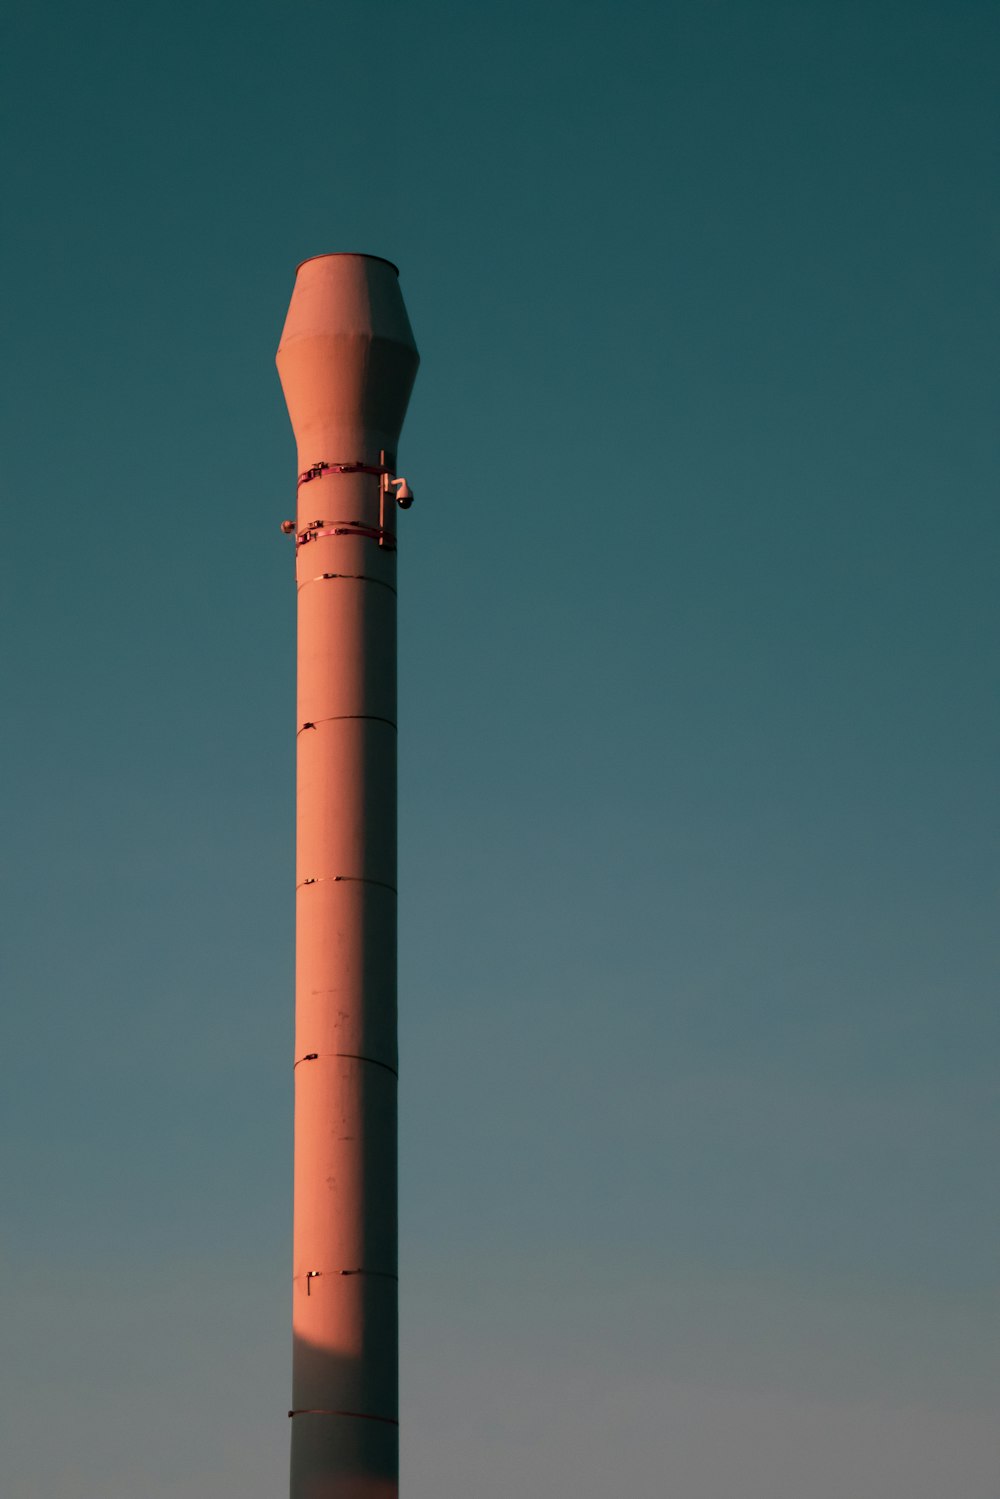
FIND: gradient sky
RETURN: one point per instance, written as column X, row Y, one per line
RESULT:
column 699, row 1095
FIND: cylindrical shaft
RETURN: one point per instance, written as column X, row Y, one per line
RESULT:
column 347, row 362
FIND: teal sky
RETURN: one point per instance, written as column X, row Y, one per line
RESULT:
column 699, row 729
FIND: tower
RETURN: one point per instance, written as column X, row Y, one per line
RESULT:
column 347, row 361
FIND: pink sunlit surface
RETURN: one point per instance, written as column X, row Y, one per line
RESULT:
column 347, row 363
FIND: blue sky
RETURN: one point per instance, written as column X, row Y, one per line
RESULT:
column 698, row 738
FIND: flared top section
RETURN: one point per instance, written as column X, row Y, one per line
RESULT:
column 347, row 360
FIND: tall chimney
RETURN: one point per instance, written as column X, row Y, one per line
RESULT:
column 347, row 361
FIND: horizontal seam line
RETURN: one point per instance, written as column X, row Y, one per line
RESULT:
column 353, row 1056
column 352, row 577
column 311, row 723
column 355, row 1415
column 318, row 1274
column 349, row 879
